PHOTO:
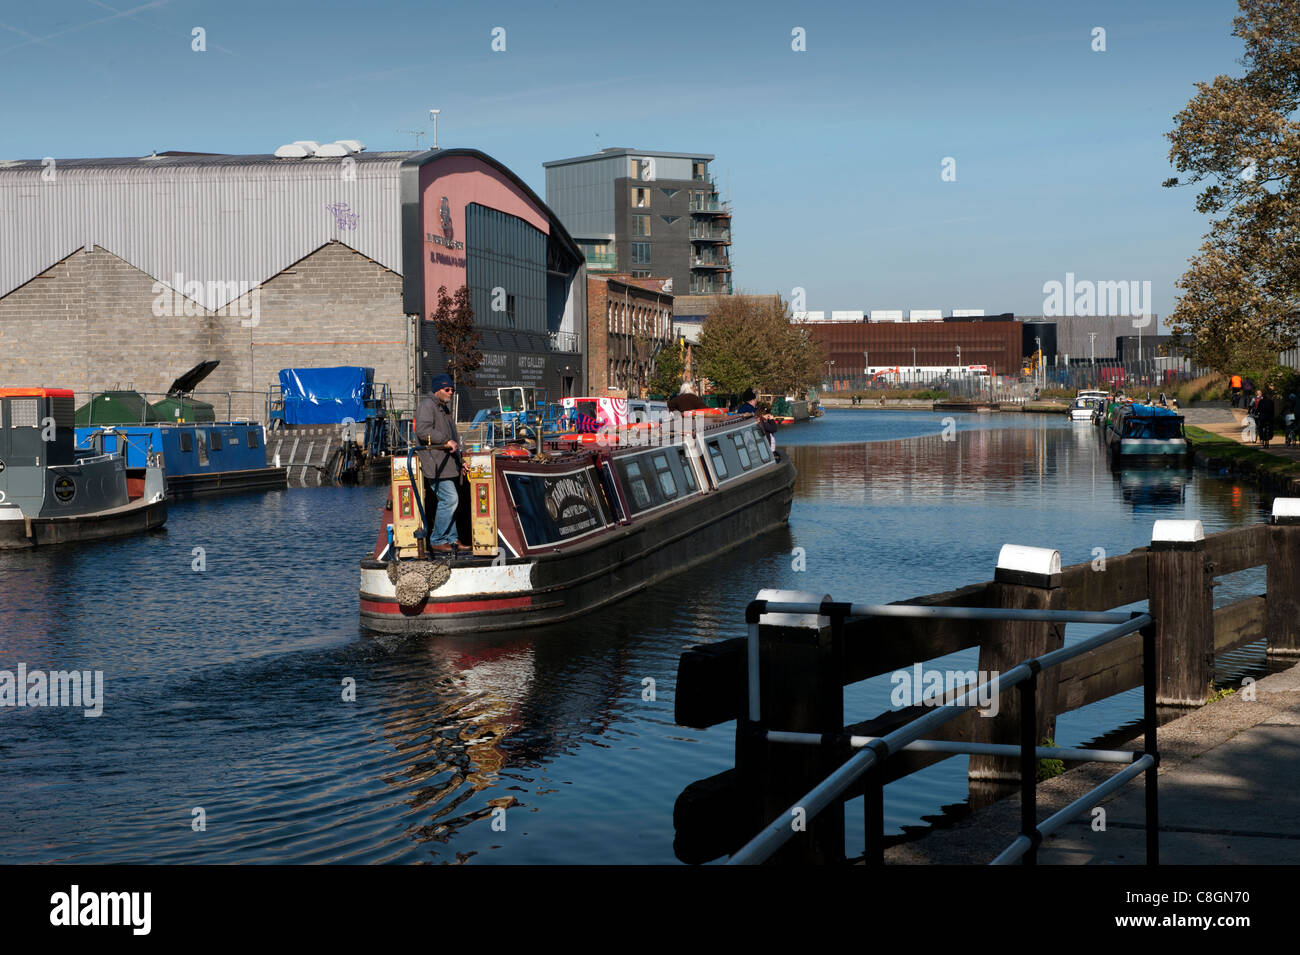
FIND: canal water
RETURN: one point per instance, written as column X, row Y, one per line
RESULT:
column 246, row 718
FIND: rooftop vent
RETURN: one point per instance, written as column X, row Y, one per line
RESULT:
column 308, row 144
column 292, row 151
column 332, row 149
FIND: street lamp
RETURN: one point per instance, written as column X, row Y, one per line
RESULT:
column 959, row 374
column 913, row 375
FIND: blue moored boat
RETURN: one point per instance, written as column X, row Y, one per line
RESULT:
column 202, row 455
column 1139, row 434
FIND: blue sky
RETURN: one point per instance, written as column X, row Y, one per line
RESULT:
column 832, row 155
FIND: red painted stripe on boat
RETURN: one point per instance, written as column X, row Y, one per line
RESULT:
column 450, row 606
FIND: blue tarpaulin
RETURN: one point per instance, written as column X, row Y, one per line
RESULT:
column 325, row 395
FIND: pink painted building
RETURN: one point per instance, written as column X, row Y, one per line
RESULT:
column 467, row 220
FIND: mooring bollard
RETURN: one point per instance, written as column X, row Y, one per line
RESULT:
column 801, row 690
column 1182, row 604
column 1027, row 578
column 1282, row 613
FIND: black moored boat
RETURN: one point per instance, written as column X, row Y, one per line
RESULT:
column 587, row 520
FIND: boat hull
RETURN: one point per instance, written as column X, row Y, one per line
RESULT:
column 133, row 518
column 551, row 588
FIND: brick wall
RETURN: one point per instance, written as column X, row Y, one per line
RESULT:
column 87, row 323
column 597, row 335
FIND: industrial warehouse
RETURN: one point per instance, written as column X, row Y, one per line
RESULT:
column 125, row 272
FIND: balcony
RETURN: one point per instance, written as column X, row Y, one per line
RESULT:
column 705, row 287
column 710, row 205
column 601, row 261
column 710, row 262
column 704, row 233
column 565, row 342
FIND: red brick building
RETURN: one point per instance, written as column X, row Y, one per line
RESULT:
column 995, row 342
column 628, row 321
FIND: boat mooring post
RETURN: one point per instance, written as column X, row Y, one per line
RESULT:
column 1181, row 601
column 1282, row 610
column 801, row 689
column 1027, row 578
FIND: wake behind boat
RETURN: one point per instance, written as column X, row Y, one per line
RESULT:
column 586, row 520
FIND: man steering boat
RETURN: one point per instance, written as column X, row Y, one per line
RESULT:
column 435, row 429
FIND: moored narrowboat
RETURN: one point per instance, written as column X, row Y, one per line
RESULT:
column 51, row 493
column 587, row 520
column 1137, row 434
column 201, row 454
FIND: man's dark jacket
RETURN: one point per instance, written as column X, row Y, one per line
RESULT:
column 434, row 425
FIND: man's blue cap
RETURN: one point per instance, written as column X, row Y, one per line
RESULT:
column 440, row 382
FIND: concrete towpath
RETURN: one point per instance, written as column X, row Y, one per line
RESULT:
column 1228, row 422
column 1229, row 792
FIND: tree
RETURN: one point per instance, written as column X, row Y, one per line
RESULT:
column 752, row 342
column 670, row 363
column 1238, row 141
column 453, row 321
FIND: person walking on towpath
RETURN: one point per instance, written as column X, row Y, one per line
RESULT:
column 435, row 426
column 1264, row 414
column 1236, row 391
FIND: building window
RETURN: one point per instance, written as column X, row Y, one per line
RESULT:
column 671, row 193
column 640, row 273
column 641, row 253
column 640, row 225
column 670, row 219
column 699, row 169
column 640, row 197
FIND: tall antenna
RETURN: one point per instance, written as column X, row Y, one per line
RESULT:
column 417, row 133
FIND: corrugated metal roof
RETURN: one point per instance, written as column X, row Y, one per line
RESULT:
column 214, row 220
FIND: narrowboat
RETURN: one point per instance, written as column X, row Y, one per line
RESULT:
column 1138, row 433
column 201, row 455
column 583, row 521
column 52, row 493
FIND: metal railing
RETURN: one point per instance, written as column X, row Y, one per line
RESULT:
column 1024, row 676
column 564, row 341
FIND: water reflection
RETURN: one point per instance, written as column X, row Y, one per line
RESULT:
column 223, row 688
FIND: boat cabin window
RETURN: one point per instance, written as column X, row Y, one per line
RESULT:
column 23, row 413
column 216, row 440
column 202, row 442
column 719, row 463
column 187, row 440
column 253, row 439
column 666, row 482
column 764, row 452
column 688, row 472
column 746, row 453
column 641, row 497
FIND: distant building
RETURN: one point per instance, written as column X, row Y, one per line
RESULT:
column 126, row 272
column 644, row 213
column 629, row 320
column 994, row 342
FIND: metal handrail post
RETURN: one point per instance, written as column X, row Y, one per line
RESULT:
column 873, row 815
column 1029, row 766
column 1149, row 743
